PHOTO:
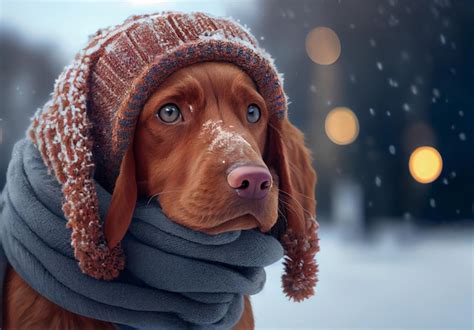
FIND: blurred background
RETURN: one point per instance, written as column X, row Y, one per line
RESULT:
column 383, row 90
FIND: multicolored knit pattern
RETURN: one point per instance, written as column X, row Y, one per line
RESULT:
column 61, row 131
column 136, row 57
column 84, row 131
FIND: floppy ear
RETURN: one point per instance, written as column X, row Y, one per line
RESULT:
column 124, row 198
column 297, row 224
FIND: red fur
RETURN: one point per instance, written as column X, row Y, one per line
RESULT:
column 171, row 162
column 297, row 183
column 24, row 308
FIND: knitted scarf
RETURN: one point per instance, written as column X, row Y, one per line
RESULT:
column 175, row 277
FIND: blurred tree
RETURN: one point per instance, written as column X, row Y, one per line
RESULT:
column 27, row 76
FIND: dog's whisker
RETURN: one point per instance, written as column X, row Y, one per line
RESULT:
column 292, row 208
column 161, row 193
column 307, row 212
column 149, row 200
column 297, row 201
column 280, row 212
column 288, row 205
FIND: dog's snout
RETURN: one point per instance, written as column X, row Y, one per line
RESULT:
column 250, row 182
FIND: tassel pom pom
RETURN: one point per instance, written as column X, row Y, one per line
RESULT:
column 300, row 275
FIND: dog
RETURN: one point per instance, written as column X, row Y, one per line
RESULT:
column 206, row 149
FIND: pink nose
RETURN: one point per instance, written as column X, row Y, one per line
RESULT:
column 250, row 182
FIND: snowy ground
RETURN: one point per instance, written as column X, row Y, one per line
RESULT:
column 403, row 279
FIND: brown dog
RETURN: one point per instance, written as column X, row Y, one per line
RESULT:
column 205, row 147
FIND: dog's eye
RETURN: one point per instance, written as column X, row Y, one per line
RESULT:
column 253, row 113
column 169, row 114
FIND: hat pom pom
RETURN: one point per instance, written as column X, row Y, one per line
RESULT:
column 300, row 276
column 101, row 262
column 95, row 258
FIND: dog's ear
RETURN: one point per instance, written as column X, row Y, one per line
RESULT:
column 124, row 198
column 297, row 226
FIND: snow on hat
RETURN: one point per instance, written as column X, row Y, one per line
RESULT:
column 85, row 129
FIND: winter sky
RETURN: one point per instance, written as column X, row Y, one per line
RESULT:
column 67, row 24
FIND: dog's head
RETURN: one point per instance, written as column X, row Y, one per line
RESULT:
column 135, row 112
column 209, row 150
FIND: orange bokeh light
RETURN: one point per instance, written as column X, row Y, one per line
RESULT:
column 425, row 164
column 342, row 126
column 323, row 45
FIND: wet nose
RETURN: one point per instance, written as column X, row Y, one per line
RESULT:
column 250, row 182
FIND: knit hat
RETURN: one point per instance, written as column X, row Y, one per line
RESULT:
column 85, row 129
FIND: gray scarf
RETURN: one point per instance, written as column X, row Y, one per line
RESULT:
column 175, row 277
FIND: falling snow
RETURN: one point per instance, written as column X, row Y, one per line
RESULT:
column 378, row 181
column 432, row 202
column 462, row 136
column 442, row 38
column 392, row 82
column 392, row 150
column 379, row 66
column 372, row 112
column 414, row 89
column 393, row 21
column 406, row 107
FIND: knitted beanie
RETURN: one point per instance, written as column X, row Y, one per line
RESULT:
column 85, row 129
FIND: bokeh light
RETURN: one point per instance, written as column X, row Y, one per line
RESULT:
column 425, row 164
column 323, row 45
column 342, row 126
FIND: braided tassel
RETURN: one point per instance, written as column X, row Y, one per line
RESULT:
column 300, row 276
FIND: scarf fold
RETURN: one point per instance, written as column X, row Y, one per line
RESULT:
column 175, row 277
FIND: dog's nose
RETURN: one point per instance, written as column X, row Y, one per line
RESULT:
column 250, row 182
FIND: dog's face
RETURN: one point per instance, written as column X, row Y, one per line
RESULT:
column 199, row 147
column 208, row 149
